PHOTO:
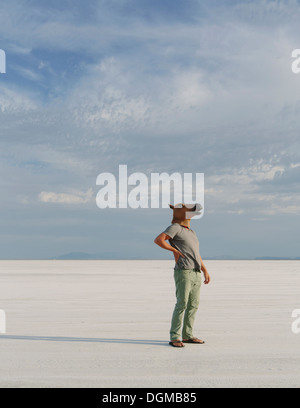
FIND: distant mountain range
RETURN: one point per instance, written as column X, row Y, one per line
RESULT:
column 76, row 255
column 111, row 255
column 278, row 258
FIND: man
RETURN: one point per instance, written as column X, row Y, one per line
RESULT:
column 187, row 272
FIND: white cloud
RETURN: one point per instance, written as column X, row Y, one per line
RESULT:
column 252, row 189
column 66, row 198
column 15, row 101
column 27, row 73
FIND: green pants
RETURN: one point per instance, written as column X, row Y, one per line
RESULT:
column 188, row 283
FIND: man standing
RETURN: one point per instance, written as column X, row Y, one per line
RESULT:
column 187, row 272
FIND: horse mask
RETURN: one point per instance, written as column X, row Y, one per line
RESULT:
column 182, row 212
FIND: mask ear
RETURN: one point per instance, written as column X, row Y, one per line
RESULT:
column 171, row 206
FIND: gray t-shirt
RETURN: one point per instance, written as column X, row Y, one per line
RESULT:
column 186, row 241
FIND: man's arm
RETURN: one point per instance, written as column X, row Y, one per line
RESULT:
column 161, row 240
column 206, row 274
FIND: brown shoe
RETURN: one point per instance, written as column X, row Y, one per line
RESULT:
column 176, row 343
column 193, row 340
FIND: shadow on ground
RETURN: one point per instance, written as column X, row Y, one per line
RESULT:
column 84, row 340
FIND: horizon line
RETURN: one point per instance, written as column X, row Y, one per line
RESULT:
column 216, row 258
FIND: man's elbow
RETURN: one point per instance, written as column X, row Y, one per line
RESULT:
column 158, row 240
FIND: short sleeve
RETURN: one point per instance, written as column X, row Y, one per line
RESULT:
column 172, row 230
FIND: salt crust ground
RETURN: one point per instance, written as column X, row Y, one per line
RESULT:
column 105, row 324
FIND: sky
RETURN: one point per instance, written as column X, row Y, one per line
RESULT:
column 184, row 86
